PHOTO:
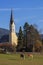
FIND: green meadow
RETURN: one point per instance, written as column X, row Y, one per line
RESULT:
column 15, row 59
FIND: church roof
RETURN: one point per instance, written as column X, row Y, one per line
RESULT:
column 11, row 19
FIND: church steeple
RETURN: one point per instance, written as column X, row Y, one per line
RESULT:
column 12, row 33
column 11, row 19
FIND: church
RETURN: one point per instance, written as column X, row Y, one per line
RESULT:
column 12, row 33
column 13, row 39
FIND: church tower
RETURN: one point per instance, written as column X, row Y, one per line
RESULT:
column 12, row 33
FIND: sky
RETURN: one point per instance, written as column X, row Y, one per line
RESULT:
column 30, row 11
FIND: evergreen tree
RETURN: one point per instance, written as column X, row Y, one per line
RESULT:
column 20, row 40
column 26, row 29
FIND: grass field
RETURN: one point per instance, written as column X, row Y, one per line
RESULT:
column 14, row 59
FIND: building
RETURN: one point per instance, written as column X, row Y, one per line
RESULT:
column 13, row 39
column 12, row 33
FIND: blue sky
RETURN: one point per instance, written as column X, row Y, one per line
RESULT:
column 30, row 11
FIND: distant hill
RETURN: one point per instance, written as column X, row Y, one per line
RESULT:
column 4, row 35
column 3, row 32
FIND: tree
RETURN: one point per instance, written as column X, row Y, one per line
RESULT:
column 31, row 34
column 27, row 38
column 34, row 35
column 38, row 46
column 20, row 40
column 26, row 29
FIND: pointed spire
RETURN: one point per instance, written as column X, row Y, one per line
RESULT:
column 11, row 20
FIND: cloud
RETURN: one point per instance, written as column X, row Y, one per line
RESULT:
column 5, row 9
column 36, row 8
column 8, row 9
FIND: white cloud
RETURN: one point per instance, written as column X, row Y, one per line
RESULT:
column 36, row 8
column 8, row 9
